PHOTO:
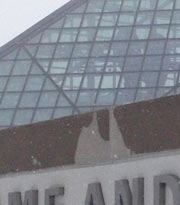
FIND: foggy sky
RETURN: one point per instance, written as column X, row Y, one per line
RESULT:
column 18, row 15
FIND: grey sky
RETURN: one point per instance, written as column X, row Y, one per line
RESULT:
column 17, row 16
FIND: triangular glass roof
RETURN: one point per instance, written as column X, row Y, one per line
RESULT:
column 97, row 54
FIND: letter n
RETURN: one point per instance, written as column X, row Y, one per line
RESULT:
column 94, row 195
column 160, row 183
column 30, row 198
column 124, row 196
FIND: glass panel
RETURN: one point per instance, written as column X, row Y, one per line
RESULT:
column 23, row 117
column 108, row 19
column 77, row 66
column 95, row 65
column 164, row 4
column 5, row 67
column 129, row 80
column 58, row 66
column 16, row 83
column 34, row 83
column 126, row 18
column 58, row 24
column 86, row 34
column 72, row 21
column 130, row 5
column 147, row 5
column 68, row 35
column 152, row 63
column 62, row 112
column 29, row 99
column 174, row 32
column 123, row 33
column 155, row 47
column 42, row 115
column 23, row 55
column 133, row 63
column 72, row 95
column 144, row 18
column 91, row 20
column 125, row 96
column 106, row 97
column 91, row 81
column 10, row 100
column 176, row 17
column 112, row 5
column 35, row 39
column 6, row 117
column 173, row 47
column 58, row 79
column 141, row 33
column 81, row 50
column 110, row 81
column 171, row 62
column 177, row 4
column 50, row 36
column 104, row 34
column 168, row 78
column 114, row 64
column 48, row 99
column 72, row 82
column 21, row 68
column 137, row 48
column 145, row 94
column 45, row 51
column 159, row 32
column 11, row 56
column 3, row 81
column 100, row 49
column 63, row 51
column 148, row 79
column 162, row 17
column 86, row 98
column 80, row 9
column 49, row 85
column 35, row 69
column 95, row 6
column 118, row 48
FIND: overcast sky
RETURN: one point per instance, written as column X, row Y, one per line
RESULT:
column 18, row 15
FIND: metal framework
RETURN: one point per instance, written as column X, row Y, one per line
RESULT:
column 89, row 55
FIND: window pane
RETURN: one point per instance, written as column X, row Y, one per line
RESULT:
column 91, row 20
column 45, row 51
column 108, row 19
column 95, row 6
column 176, row 17
column 125, row 96
column 152, row 63
column 3, row 82
column 34, row 83
column 171, row 62
column 16, row 84
column 123, row 33
column 48, row 99
column 72, row 21
column 168, row 78
column 77, row 66
column 174, row 31
column 110, row 81
column 72, row 82
column 100, row 49
column 112, row 5
column 137, row 48
column 10, row 100
column 58, row 66
column 21, row 67
column 133, row 63
column 162, row 17
column 86, row 34
column 63, row 51
column 50, row 36
column 42, row 115
column 95, row 65
column 159, row 32
column 6, row 117
column 155, row 47
column 164, row 4
column 5, row 67
column 141, row 33
column 23, row 117
column 144, row 18
column 29, row 99
column 126, row 18
column 81, row 50
column 118, row 48
column 129, row 80
column 149, row 79
column 104, row 34
column 68, row 35
column 145, row 94
column 130, row 5
column 91, row 81
column 173, row 47
column 106, row 97
column 147, row 5
column 86, row 98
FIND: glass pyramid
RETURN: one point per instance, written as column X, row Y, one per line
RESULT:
column 99, row 53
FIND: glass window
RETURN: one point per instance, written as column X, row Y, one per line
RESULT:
column 42, row 115
column 129, row 80
column 144, row 18
column 35, row 39
column 6, row 117
column 77, row 66
column 91, row 81
column 125, row 96
column 114, row 64
column 104, row 34
column 164, row 4
column 123, row 33
column 156, row 47
column 45, row 51
column 141, row 33
column 162, row 17
column 72, row 95
column 145, row 94
column 147, row 5
column 126, row 18
column 95, row 6
column 5, row 67
column 34, row 83
column 174, row 31
column 10, row 100
column 137, row 48
column 152, row 63
column 118, row 48
column 100, row 49
column 23, row 117
column 173, row 47
column 130, row 5
column 23, row 55
column 72, row 82
column 58, row 79
column 86, row 98
column 110, row 81
column 91, row 20
column 176, row 17
column 105, row 97
column 168, row 78
column 112, row 5
column 171, row 62
column 48, row 99
column 72, row 21
column 96, row 65
column 80, row 9
column 68, row 35
column 86, row 34
column 62, row 112
column 108, row 19
column 29, row 99
column 21, row 67
column 3, row 81
column 133, row 63
column 148, row 79
column 50, row 36
column 159, row 32
column 58, row 66
column 11, row 56
column 49, row 85
column 63, row 51
column 16, row 83
column 177, row 4
column 57, row 24
column 81, row 50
